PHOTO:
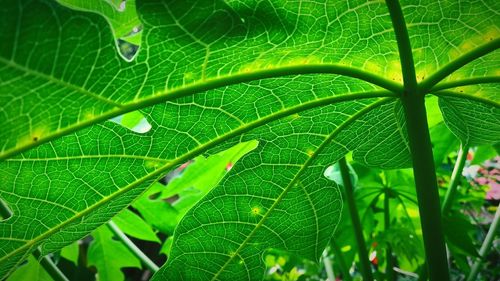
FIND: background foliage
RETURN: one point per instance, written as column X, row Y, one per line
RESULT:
column 100, row 100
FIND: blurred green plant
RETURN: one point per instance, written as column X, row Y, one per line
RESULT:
column 190, row 87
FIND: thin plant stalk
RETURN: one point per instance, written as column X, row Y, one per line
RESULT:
column 390, row 273
column 455, row 179
column 366, row 271
column 485, row 247
column 421, row 150
column 328, row 266
column 132, row 247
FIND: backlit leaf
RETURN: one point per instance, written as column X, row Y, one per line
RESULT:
column 310, row 81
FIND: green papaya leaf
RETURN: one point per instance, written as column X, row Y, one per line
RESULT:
column 434, row 116
column 473, row 122
column 109, row 255
column 133, row 225
column 155, row 211
column 32, row 271
column 167, row 246
column 405, row 244
column 309, row 81
column 196, row 180
column 443, row 142
column 205, row 173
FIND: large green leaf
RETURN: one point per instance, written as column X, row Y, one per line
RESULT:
column 188, row 46
column 303, row 78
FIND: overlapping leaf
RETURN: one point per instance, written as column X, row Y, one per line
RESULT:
column 277, row 197
column 474, row 120
column 54, row 82
column 60, row 76
column 80, row 189
column 440, row 33
column 109, row 256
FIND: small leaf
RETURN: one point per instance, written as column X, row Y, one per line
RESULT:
column 122, row 17
column 167, row 246
column 156, row 212
column 133, row 225
column 135, row 121
column 109, row 256
column 333, row 173
column 205, row 173
column 31, row 271
column 71, row 252
column 443, row 143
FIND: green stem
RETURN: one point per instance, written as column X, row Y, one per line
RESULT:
column 404, row 46
column 132, row 247
column 455, row 179
column 339, row 258
column 485, row 247
column 358, row 231
column 390, row 273
column 421, row 151
column 50, row 267
column 328, row 267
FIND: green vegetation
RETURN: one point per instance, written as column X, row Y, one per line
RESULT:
column 209, row 129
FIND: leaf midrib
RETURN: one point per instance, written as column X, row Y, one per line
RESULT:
column 79, row 157
column 201, row 149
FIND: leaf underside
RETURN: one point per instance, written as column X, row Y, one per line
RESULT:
column 67, row 170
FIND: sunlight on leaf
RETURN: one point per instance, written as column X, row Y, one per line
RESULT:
column 309, row 81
